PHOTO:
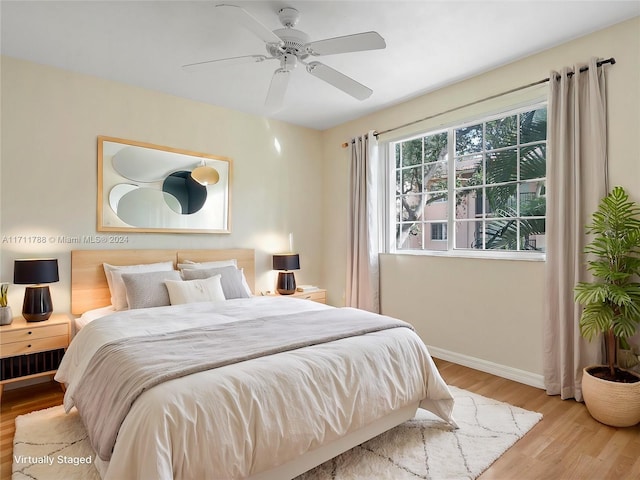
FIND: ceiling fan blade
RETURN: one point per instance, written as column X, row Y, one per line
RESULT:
column 339, row 80
column 277, row 89
column 349, row 43
column 248, row 21
column 225, row 62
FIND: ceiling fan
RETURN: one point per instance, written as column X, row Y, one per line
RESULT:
column 290, row 47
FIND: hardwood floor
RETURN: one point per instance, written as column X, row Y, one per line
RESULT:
column 566, row 444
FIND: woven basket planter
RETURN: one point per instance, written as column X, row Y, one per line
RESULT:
column 612, row 403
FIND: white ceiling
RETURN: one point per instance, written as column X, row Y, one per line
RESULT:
column 429, row 44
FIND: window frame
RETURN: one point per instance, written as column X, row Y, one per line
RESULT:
column 450, row 222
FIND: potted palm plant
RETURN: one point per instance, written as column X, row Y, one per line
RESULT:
column 612, row 308
column 6, row 317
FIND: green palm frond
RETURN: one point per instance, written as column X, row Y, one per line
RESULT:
column 596, row 318
column 587, row 293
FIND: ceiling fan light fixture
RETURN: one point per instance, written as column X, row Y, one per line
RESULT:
column 288, row 62
column 205, row 175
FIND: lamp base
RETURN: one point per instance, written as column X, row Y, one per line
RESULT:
column 286, row 283
column 37, row 305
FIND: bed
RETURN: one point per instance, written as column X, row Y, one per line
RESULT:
column 258, row 417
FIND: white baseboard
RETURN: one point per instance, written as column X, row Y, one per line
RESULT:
column 517, row 375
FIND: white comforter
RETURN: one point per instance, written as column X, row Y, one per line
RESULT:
column 246, row 418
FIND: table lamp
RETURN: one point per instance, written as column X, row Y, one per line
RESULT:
column 37, row 304
column 286, row 281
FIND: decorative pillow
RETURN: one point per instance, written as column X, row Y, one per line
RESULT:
column 114, row 279
column 231, row 281
column 188, row 264
column 191, row 291
column 147, row 289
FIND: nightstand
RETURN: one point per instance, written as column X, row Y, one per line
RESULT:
column 319, row 295
column 32, row 349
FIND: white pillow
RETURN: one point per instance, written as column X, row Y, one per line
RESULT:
column 191, row 291
column 116, row 285
column 188, row 264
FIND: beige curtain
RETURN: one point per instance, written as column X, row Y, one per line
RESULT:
column 362, row 238
column 576, row 181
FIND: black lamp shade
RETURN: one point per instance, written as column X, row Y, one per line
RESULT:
column 37, row 304
column 35, row 270
column 287, row 261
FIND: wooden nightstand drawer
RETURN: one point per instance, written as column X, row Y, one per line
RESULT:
column 316, row 296
column 34, row 333
column 36, row 345
column 319, row 295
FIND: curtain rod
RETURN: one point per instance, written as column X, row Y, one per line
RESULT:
column 611, row 60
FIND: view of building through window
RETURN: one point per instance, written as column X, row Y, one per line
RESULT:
column 477, row 186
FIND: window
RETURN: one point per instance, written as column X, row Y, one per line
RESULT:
column 483, row 181
column 438, row 231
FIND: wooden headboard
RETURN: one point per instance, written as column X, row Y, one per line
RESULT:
column 89, row 287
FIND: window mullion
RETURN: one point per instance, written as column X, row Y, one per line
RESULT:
column 518, row 189
column 423, row 173
column 484, row 186
column 451, row 189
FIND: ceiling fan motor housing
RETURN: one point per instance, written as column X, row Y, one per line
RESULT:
column 294, row 43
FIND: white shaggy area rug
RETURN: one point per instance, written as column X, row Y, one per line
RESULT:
column 50, row 445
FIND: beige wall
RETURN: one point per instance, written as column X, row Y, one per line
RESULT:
column 50, row 121
column 490, row 310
